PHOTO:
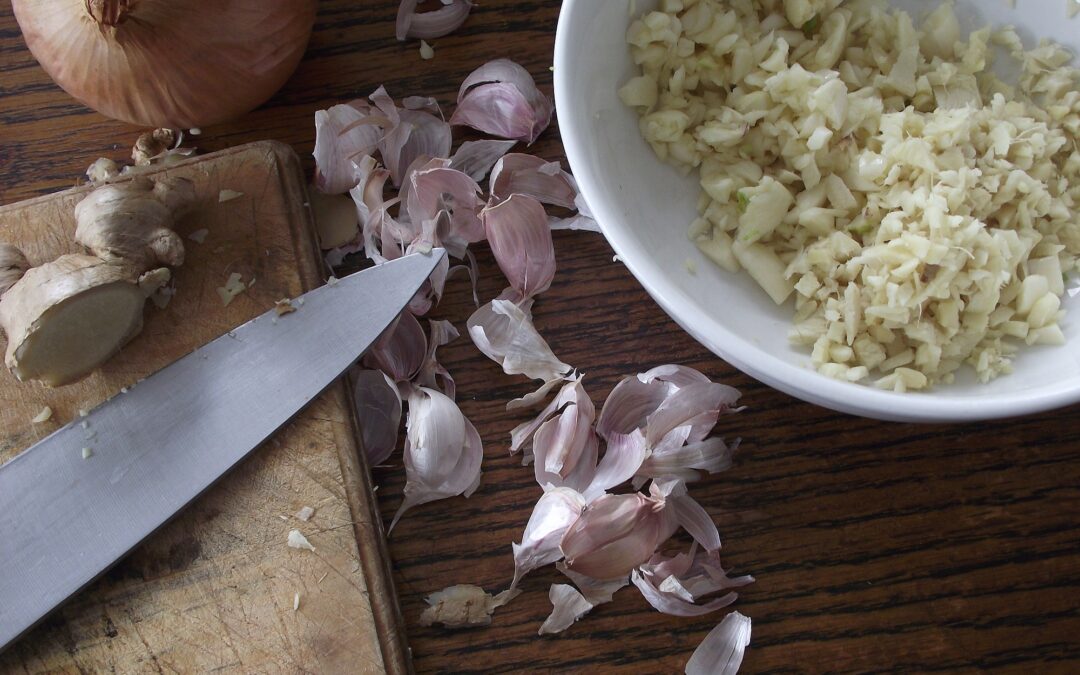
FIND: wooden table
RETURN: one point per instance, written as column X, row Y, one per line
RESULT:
column 876, row 546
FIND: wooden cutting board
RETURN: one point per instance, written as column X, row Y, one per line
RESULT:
column 214, row 589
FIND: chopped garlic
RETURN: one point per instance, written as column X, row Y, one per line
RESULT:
column 305, row 513
column 199, row 236
column 915, row 206
column 228, row 195
column 44, row 416
column 87, row 453
column 296, row 601
column 427, row 52
column 284, row 306
column 298, row 540
column 332, row 281
column 232, row 288
column 195, row 131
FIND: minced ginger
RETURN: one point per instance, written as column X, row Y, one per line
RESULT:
column 921, row 211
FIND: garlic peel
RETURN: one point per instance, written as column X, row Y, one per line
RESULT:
column 378, row 407
column 476, row 158
column 568, row 605
column 520, row 240
column 722, row 650
column 344, row 134
column 504, row 332
column 501, row 98
column 431, row 24
column 463, row 605
column 553, row 513
column 443, row 451
column 518, row 173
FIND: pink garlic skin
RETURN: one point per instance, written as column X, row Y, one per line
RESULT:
column 615, row 534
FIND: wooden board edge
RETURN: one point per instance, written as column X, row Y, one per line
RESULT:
column 356, row 475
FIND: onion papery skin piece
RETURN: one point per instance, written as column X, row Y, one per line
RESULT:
column 179, row 64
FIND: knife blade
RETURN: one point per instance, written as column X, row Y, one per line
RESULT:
column 66, row 518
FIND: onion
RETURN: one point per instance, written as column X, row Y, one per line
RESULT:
column 168, row 63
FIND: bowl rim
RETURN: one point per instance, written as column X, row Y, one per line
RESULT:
column 802, row 383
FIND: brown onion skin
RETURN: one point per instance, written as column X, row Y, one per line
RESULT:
column 168, row 63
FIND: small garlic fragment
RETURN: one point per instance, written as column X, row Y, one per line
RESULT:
column 463, row 605
column 284, row 306
column 44, row 416
column 87, row 453
column 232, row 288
column 228, row 195
column 199, row 236
column 305, row 513
column 298, row 540
column 296, row 601
column 427, row 52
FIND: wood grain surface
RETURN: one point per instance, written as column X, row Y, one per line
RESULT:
column 877, row 546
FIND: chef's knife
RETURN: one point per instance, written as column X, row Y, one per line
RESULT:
column 78, row 501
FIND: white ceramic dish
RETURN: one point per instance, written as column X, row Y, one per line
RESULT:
column 644, row 207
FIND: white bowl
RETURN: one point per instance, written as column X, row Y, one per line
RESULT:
column 644, row 208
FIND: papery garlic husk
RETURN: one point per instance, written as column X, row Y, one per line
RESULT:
column 568, row 605
column 476, row 158
column 518, row 173
column 615, row 534
column 504, row 332
column 722, row 650
column 520, row 240
column 432, row 373
column 443, row 451
column 553, row 513
column 500, row 98
column 410, row 134
column 400, row 350
column 378, row 407
column 433, row 23
column 345, row 136
column 433, row 189
column 168, row 63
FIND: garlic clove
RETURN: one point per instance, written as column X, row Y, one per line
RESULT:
column 344, row 134
column 378, row 406
column 545, row 181
column 476, row 158
column 722, row 650
column 501, row 98
column 520, row 240
column 553, row 513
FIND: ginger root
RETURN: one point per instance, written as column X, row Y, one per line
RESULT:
column 66, row 317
